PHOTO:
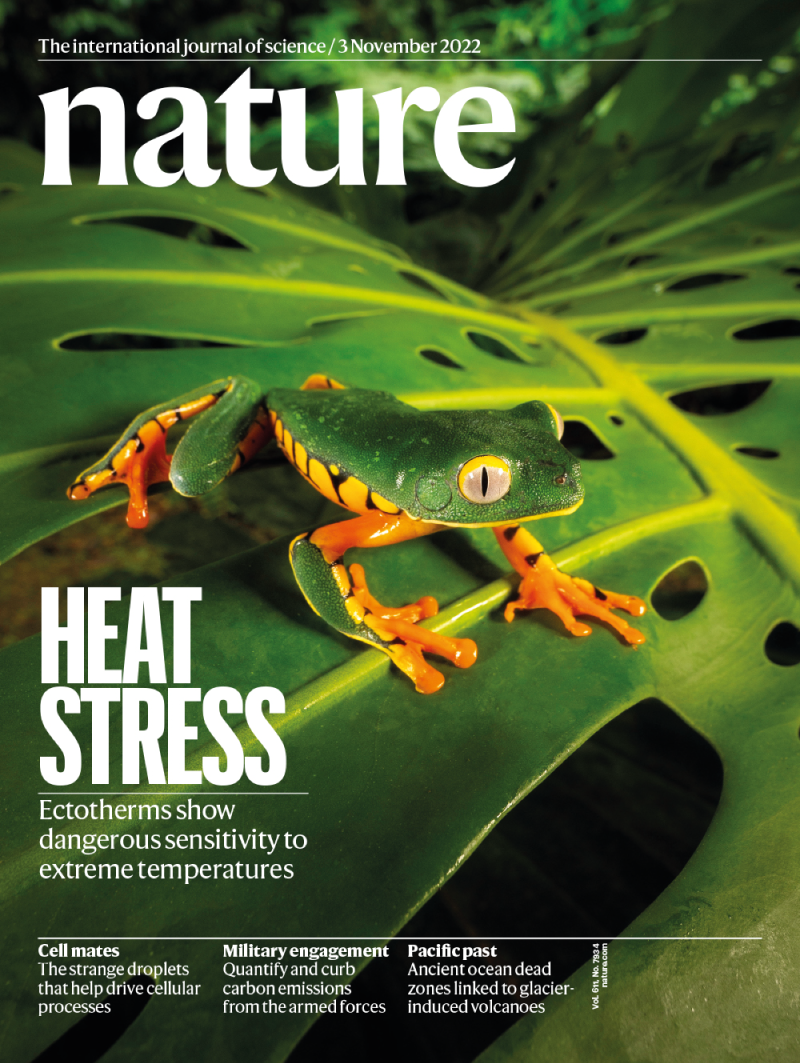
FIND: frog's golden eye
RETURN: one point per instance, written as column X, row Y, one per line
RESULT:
column 558, row 419
column 484, row 479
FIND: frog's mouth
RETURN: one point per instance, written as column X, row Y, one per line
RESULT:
column 553, row 513
column 513, row 520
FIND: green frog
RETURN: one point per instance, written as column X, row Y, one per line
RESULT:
column 405, row 472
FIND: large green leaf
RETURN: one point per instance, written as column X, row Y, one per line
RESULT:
column 402, row 788
column 674, row 247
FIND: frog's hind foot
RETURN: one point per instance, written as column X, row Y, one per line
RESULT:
column 343, row 599
column 405, row 642
column 545, row 587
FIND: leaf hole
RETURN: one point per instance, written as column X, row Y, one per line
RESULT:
column 538, row 201
column 637, row 260
column 573, row 224
column 759, row 452
column 420, row 282
column 181, row 228
column 617, row 238
column 747, row 152
column 781, row 328
column 727, row 398
column 680, row 591
column 494, row 346
column 782, row 645
column 93, row 1035
column 580, row 440
column 628, row 335
column 703, row 280
column 439, row 358
column 591, row 847
column 616, row 419
column 134, row 341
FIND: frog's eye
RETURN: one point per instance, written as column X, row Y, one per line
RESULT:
column 484, row 479
column 558, row 419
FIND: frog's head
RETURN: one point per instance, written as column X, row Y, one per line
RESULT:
column 498, row 466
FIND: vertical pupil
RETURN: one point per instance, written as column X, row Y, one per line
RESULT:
column 484, row 481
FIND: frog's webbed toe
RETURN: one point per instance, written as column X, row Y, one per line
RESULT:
column 404, row 642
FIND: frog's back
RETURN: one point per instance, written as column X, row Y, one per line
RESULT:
column 367, row 450
column 347, row 442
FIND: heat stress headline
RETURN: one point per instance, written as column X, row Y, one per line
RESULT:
column 190, row 138
column 154, row 729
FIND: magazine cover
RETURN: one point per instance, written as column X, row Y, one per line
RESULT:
column 400, row 627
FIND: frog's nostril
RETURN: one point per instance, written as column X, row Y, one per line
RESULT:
column 560, row 480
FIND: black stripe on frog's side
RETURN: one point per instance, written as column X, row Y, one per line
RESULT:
column 509, row 533
column 337, row 484
column 531, row 559
column 599, row 594
column 337, row 479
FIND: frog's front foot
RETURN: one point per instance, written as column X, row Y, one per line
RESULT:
column 139, row 461
column 405, row 642
column 210, row 450
column 545, row 587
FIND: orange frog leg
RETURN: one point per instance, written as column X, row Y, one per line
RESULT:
column 345, row 601
column 320, row 382
column 543, row 586
column 213, row 447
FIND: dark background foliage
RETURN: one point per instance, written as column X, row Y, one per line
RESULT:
column 529, row 45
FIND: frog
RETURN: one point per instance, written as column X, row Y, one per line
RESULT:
column 403, row 472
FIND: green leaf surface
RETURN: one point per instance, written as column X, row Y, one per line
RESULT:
column 402, row 787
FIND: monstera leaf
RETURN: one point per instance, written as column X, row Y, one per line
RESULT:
column 116, row 298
